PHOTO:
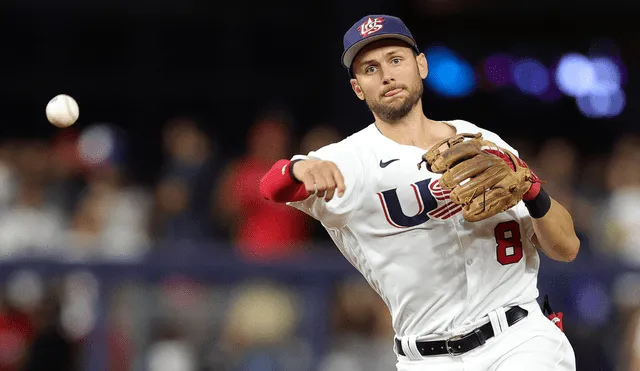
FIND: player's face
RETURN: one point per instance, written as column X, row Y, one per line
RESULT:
column 389, row 78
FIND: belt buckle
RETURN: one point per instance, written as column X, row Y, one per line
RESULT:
column 450, row 350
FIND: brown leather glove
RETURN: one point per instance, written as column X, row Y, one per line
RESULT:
column 483, row 177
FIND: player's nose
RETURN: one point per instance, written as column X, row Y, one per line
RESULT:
column 387, row 77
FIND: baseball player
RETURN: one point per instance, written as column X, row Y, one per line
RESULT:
column 458, row 275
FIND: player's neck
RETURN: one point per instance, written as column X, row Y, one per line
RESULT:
column 415, row 129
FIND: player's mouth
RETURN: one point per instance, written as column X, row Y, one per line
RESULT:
column 393, row 92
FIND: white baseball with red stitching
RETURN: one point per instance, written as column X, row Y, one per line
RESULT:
column 62, row 111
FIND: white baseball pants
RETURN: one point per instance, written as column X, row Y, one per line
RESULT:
column 532, row 344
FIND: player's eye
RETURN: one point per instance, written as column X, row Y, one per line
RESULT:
column 395, row 60
column 370, row 69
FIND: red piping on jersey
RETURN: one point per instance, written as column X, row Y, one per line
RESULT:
column 446, row 211
column 386, row 214
column 384, row 206
column 418, row 198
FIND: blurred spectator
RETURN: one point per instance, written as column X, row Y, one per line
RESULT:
column 591, row 176
column 193, row 307
column 30, row 226
column 169, row 351
column 65, row 172
column 33, row 160
column 633, row 337
column 363, row 335
column 317, row 137
column 622, row 212
column 8, row 175
column 556, row 165
column 182, row 195
column 30, row 223
column 261, row 229
column 590, row 193
column 51, row 349
column 110, row 219
column 170, row 217
column 260, row 331
column 626, row 296
column 17, row 331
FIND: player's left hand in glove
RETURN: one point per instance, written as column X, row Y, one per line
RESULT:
column 484, row 178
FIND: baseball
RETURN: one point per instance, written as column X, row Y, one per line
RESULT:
column 62, row 111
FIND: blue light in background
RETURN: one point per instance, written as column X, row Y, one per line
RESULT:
column 449, row 75
column 607, row 74
column 531, row 77
column 575, row 75
column 594, row 80
column 603, row 104
column 596, row 83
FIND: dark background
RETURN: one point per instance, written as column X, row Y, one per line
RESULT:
column 136, row 63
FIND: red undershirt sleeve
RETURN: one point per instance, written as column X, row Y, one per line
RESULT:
column 278, row 186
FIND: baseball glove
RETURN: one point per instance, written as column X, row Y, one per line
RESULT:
column 484, row 178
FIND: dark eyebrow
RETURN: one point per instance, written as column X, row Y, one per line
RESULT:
column 387, row 54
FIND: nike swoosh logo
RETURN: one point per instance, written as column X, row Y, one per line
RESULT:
column 385, row 164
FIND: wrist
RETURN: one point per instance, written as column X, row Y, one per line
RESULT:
column 291, row 173
column 539, row 205
column 533, row 191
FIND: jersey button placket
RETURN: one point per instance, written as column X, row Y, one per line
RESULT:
column 468, row 252
column 460, row 225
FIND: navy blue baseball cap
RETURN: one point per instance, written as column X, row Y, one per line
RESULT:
column 372, row 28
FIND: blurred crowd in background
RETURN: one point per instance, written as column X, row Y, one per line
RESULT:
column 72, row 199
column 77, row 189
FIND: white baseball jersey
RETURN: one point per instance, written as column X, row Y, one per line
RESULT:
column 437, row 273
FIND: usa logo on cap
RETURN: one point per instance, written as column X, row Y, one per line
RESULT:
column 371, row 26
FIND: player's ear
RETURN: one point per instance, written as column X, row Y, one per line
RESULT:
column 356, row 88
column 423, row 67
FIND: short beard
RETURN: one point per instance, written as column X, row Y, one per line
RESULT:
column 392, row 114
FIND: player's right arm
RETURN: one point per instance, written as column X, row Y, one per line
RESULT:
column 326, row 184
column 289, row 181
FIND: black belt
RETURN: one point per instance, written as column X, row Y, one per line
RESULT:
column 463, row 343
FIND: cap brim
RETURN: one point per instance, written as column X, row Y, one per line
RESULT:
column 349, row 55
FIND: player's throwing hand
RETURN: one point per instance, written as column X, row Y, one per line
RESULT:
column 321, row 178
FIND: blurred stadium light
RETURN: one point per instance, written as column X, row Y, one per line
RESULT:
column 449, row 74
column 602, row 104
column 575, row 75
column 531, row 77
column 607, row 73
column 595, row 81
